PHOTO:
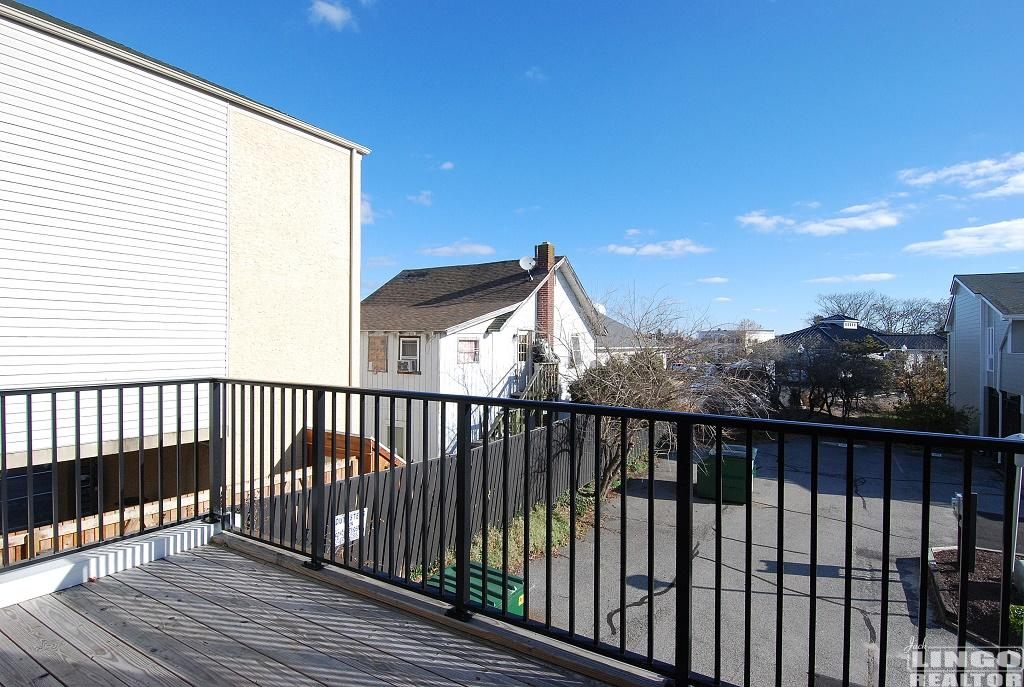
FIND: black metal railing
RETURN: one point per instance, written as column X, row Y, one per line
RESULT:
column 585, row 524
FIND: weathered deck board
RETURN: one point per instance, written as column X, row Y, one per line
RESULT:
column 18, row 668
column 462, row 655
column 360, row 657
column 58, row 656
column 112, row 654
column 213, row 616
column 177, row 656
column 217, row 646
column 460, row 658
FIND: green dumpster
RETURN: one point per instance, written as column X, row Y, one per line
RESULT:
column 495, row 592
column 734, row 480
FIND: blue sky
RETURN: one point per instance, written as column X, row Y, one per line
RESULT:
column 739, row 157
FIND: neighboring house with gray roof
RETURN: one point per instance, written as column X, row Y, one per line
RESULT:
column 986, row 349
column 836, row 330
column 475, row 329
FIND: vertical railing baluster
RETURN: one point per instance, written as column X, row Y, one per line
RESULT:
column 304, row 527
column 485, row 530
column 1009, row 555
column 361, row 487
column 505, row 428
column 549, row 430
column 142, row 460
column 598, row 488
column 684, row 550
column 883, row 622
column 926, row 498
column 718, row 553
column 333, row 500
column 54, row 486
column 277, row 490
column 233, row 426
column 780, row 553
column 527, row 455
column 293, row 498
column 390, row 479
column 442, row 501
column 244, row 499
column 120, row 459
column 78, row 469
column 195, row 442
column 623, row 483
column 848, row 585
column 574, row 486
column 216, row 452
column 29, row 479
column 377, row 492
column 252, row 459
column 177, row 453
column 316, row 506
column 748, row 544
column 425, row 494
column 407, row 489
column 967, row 526
column 4, row 515
column 160, row 454
column 100, row 498
column 651, row 425
column 348, row 470
column 812, row 616
column 263, row 462
column 463, row 510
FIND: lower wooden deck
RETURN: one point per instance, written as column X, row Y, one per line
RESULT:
column 215, row 617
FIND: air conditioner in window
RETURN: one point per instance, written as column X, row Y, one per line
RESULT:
column 407, row 366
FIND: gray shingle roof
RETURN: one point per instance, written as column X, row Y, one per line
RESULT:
column 616, row 335
column 1004, row 290
column 437, row 298
column 829, row 334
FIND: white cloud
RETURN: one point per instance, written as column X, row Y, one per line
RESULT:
column 633, row 232
column 721, row 299
column 334, row 14
column 535, row 74
column 713, row 280
column 424, row 198
column 987, row 239
column 673, row 248
column 366, row 209
column 381, row 261
column 446, row 166
column 812, row 204
column 765, row 309
column 868, row 217
column 989, row 177
column 760, row 221
column 869, row 277
column 460, row 247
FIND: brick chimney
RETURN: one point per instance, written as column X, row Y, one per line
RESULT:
column 545, row 254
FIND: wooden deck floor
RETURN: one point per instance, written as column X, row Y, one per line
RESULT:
column 215, row 617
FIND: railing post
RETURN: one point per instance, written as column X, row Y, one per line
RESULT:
column 317, row 526
column 216, row 454
column 463, row 511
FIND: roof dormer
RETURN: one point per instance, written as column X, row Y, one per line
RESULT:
column 844, row 321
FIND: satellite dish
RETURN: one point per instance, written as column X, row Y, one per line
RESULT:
column 528, row 263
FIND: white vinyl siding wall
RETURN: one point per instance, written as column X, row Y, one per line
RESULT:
column 113, row 227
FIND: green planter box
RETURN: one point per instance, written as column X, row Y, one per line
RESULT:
column 495, row 592
column 734, row 479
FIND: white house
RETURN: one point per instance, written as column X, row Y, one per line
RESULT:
column 475, row 329
column 986, row 349
column 156, row 226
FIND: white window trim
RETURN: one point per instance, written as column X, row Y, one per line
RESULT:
column 458, row 353
column 406, row 358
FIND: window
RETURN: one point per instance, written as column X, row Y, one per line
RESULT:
column 377, row 353
column 409, row 355
column 577, row 350
column 990, row 348
column 469, row 351
column 522, row 347
column 1017, row 336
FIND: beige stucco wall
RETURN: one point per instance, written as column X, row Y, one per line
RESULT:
column 290, row 254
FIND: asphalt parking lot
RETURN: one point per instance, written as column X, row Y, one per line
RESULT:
column 867, row 565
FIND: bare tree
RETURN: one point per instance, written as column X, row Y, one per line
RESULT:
column 667, row 367
column 883, row 312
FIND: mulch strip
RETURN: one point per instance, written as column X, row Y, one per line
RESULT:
column 983, row 591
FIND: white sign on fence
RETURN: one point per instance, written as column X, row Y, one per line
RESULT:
column 353, row 527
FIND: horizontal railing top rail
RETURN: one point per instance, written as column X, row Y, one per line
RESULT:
column 876, row 434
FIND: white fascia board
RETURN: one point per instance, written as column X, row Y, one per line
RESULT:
column 482, row 318
column 581, row 294
column 78, row 36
